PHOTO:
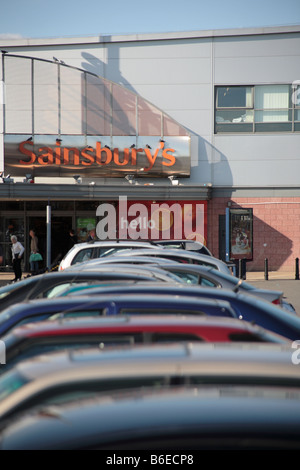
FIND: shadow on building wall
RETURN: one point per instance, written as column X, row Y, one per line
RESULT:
column 268, row 242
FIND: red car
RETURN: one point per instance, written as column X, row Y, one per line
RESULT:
column 40, row 337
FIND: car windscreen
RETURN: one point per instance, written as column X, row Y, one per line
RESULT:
column 10, row 382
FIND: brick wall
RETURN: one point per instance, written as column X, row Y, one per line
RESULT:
column 276, row 234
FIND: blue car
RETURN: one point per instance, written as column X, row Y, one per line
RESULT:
column 246, row 307
column 38, row 310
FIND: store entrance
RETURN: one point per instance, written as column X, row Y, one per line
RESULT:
column 60, row 239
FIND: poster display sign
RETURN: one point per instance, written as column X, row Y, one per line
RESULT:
column 241, row 233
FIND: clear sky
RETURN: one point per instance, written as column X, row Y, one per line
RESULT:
column 65, row 18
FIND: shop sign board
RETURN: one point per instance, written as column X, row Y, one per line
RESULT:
column 96, row 156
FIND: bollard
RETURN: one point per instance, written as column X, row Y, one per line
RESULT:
column 297, row 269
column 266, row 269
column 240, row 269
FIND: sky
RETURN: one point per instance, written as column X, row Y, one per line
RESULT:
column 69, row 18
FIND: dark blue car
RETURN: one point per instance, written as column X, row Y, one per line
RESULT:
column 246, row 307
column 38, row 310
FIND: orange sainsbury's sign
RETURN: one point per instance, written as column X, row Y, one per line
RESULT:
column 89, row 156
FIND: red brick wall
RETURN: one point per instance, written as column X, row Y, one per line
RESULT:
column 276, row 230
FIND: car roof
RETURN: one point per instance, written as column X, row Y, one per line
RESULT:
column 231, row 363
column 151, row 270
column 114, row 258
column 73, row 302
column 128, row 322
column 185, row 254
column 214, row 417
column 209, row 358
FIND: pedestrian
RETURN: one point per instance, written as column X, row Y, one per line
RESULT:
column 73, row 238
column 35, row 257
column 17, row 250
column 92, row 235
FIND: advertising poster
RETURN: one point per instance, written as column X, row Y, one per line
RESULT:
column 84, row 225
column 241, row 234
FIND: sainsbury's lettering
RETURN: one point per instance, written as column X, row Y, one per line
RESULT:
column 89, row 156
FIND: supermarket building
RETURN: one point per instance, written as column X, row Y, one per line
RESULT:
column 200, row 121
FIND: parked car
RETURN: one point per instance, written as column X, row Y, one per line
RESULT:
column 38, row 338
column 209, row 277
column 179, row 256
column 249, row 308
column 94, row 249
column 58, row 376
column 42, row 309
column 189, row 245
column 179, row 420
column 49, row 284
column 195, row 275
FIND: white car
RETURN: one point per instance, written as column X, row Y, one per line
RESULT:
column 95, row 249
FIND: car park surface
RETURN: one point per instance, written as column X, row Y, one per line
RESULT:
column 37, row 338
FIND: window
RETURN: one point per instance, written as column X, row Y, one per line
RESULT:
column 234, row 106
column 260, row 108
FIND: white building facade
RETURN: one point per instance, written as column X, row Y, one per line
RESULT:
column 223, row 105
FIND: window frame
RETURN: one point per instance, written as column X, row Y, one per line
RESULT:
column 254, row 126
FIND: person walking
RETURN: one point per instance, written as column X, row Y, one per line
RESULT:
column 17, row 250
column 34, row 249
column 73, row 238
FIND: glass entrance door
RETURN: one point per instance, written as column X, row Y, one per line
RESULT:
column 60, row 239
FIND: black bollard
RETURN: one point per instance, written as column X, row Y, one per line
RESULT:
column 297, row 270
column 266, row 269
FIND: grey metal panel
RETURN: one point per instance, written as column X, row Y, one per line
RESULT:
column 257, row 46
column 256, row 70
column 83, row 192
column 256, row 160
column 160, row 49
column 177, row 96
column 160, row 71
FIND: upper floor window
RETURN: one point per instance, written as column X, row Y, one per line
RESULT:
column 260, row 108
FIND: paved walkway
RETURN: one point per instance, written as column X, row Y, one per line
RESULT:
column 250, row 276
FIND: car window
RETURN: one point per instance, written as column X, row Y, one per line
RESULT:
column 56, row 290
column 80, row 313
column 189, row 278
column 159, row 311
column 207, row 282
column 10, row 382
column 83, row 255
